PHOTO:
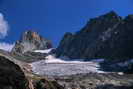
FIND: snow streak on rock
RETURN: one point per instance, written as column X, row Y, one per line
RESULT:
column 43, row 51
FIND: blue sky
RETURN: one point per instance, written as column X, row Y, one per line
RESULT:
column 52, row 18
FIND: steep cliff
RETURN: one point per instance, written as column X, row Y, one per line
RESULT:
column 31, row 41
column 107, row 36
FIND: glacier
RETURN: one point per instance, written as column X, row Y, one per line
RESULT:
column 53, row 66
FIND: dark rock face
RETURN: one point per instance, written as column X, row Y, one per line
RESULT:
column 11, row 76
column 129, row 69
column 31, row 41
column 107, row 36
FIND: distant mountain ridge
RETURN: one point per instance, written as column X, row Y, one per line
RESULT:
column 107, row 36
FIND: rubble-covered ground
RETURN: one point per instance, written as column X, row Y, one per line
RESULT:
column 96, row 81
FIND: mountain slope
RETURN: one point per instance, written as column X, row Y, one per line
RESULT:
column 12, row 77
column 107, row 36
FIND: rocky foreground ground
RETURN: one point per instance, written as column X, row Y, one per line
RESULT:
column 96, row 81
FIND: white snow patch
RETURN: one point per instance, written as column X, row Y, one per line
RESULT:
column 52, row 59
column 43, row 51
column 120, row 73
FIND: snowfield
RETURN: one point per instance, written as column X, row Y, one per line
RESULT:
column 57, row 67
column 43, row 51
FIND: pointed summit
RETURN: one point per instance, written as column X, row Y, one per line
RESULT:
column 30, row 36
column 31, row 41
column 111, row 15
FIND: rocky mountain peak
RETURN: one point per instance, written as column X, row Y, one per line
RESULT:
column 30, row 35
column 102, row 23
column 111, row 14
column 31, row 41
column 106, row 36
